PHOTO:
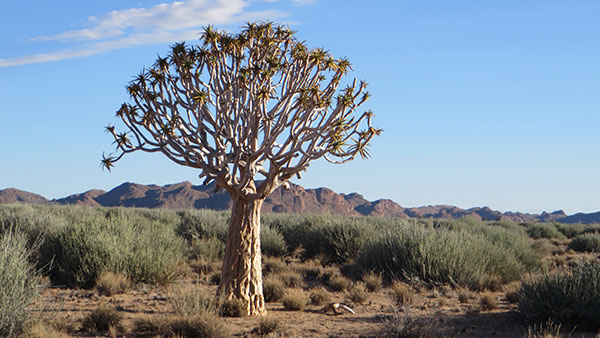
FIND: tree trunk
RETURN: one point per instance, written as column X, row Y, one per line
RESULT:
column 241, row 276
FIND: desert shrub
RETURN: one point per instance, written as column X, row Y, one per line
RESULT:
column 488, row 302
column 401, row 294
column 543, row 247
column 102, row 319
column 125, row 243
column 338, row 283
column 466, row 257
column 272, row 242
column 209, row 248
column 294, row 300
column 190, row 300
column 358, row 293
column 592, row 228
column 587, row 242
column 204, row 325
column 340, row 242
column 273, row 289
column 373, row 281
column 544, row 230
column 110, row 283
column 569, row 230
column 266, row 325
column 19, row 282
column 231, row 308
column 571, row 298
column 203, row 223
column 33, row 221
column 318, row 296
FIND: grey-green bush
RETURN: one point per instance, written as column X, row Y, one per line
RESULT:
column 589, row 242
column 571, row 298
column 124, row 242
column 19, row 283
column 272, row 242
column 469, row 256
column 545, row 230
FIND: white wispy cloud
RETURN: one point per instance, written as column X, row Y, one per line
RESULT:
column 163, row 23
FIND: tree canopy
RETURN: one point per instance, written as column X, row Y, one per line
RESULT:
column 236, row 106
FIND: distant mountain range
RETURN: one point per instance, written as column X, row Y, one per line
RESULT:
column 295, row 200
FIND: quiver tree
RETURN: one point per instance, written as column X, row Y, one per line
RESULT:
column 250, row 111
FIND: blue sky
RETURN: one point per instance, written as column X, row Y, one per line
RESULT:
column 483, row 103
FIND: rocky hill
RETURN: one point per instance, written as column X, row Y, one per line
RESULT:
column 295, row 200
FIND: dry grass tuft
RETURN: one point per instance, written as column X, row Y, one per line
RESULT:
column 266, row 325
column 294, row 300
column 373, row 282
column 544, row 330
column 403, row 326
column 110, row 283
column 464, row 295
column 188, row 300
column 338, row 284
column 401, row 293
column 231, row 308
column 103, row 319
column 319, row 296
column 39, row 330
column 205, row 325
column 358, row 293
column 273, row 289
column 292, row 279
column 488, row 303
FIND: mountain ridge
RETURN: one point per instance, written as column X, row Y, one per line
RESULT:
column 297, row 199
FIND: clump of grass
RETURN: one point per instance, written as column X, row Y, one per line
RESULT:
column 338, row 283
column 373, row 281
column 589, row 242
column 266, row 325
column 464, row 295
column 19, row 282
column 547, row 329
column 273, row 289
column 543, row 230
column 358, row 293
column 291, row 279
column 401, row 293
column 542, row 247
column 319, row 296
column 215, row 278
column 189, row 300
column 273, row 265
column 102, row 319
column 231, row 308
column 488, row 302
column 110, row 283
column 203, row 325
column 294, row 300
column 39, row 330
column 404, row 326
column 571, row 298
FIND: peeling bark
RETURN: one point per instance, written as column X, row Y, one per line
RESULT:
column 241, row 276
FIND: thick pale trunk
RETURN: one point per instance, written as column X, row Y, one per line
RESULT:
column 241, row 277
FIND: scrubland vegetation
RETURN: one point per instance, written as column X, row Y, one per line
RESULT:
column 548, row 273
